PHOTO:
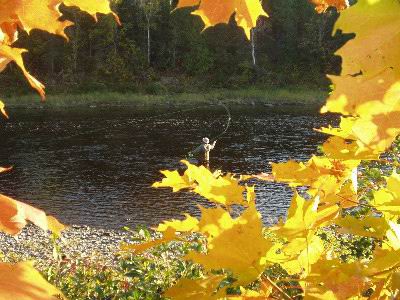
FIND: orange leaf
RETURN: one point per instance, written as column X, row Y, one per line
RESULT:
column 322, row 5
column 8, row 54
column 14, row 215
column 22, row 282
column 5, row 169
column 214, row 12
column 2, row 110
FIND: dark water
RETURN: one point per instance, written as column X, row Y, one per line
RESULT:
column 95, row 166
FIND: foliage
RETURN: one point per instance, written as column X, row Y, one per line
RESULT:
column 297, row 244
column 293, row 46
column 22, row 281
column 132, row 277
column 233, row 249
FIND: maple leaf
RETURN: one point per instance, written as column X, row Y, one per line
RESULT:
column 2, row 109
column 2, row 170
column 374, row 55
column 322, row 5
column 368, row 226
column 345, row 196
column 9, row 54
column 21, row 281
column 15, row 214
column 246, row 294
column 168, row 235
column 189, row 224
column 214, row 12
column 201, row 289
column 36, row 14
column 174, row 180
column 224, row 190
column 378, row 125
column 388, row 199
column 302, row 254
column 339, row 148
column 332, row 279
column 304, row 216
column 242, row 236
column 320, row 173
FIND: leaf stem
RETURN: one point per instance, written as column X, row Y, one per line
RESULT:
column 282, row 292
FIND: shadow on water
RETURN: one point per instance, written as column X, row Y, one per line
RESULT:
column 95, row 166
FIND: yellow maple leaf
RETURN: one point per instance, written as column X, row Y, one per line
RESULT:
column 167, row 236
column 224, row 190
column 173, row 180
column 246, row 294
column 369, row 226
column 373, row 57
column 339, row 148
column 2, row 109
column 302, row 254
column 242, row 236
column 93, row 7
column 2, row 169
column 315, row 172
column 9, row 54
column 201, row 289
column 332, row 279
column 21, row 281
column 304, row 216
column 377, row 126
column 214, row 12
column 187, row 225
column 388, row 199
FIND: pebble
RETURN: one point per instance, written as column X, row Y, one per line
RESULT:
column 76, row 242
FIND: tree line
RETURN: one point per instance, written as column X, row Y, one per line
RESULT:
column 158, row 49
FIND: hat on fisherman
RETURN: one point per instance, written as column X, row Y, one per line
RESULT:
column 206, row 140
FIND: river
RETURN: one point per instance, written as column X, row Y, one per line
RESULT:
column 95, row 166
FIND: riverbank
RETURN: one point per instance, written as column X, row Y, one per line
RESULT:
column 252, row 97
column 76, row 242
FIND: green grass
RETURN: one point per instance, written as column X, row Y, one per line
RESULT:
column 249, row 96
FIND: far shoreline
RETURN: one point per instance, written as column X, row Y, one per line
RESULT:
column 237, row 97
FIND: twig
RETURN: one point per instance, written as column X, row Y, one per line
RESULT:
column 282, row 292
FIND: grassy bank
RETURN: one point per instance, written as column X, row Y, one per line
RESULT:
column 292, row 96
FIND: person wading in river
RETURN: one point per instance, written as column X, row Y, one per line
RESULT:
column 205, row 148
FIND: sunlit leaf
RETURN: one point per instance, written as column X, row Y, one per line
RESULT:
column 14, row 215
column 2, row 109
column 373, row 57
column 323, row 5
column 202, row 289
column 168, row 236
column 214, row 12
column 234, row 244
column 21, row 281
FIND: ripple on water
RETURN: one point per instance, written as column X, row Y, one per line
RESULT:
column 96, row 168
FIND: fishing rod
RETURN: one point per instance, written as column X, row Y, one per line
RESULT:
column 189, row 154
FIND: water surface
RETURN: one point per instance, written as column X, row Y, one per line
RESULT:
column 95, row 166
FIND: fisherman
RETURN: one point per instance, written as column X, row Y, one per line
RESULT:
column 205, row 148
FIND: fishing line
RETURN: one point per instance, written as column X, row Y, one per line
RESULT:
column 215, row 138
column 228, row 124
column 148, row 120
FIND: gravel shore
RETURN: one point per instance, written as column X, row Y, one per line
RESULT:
column 76, row 242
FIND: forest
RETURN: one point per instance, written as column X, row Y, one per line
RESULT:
column 159, row 50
